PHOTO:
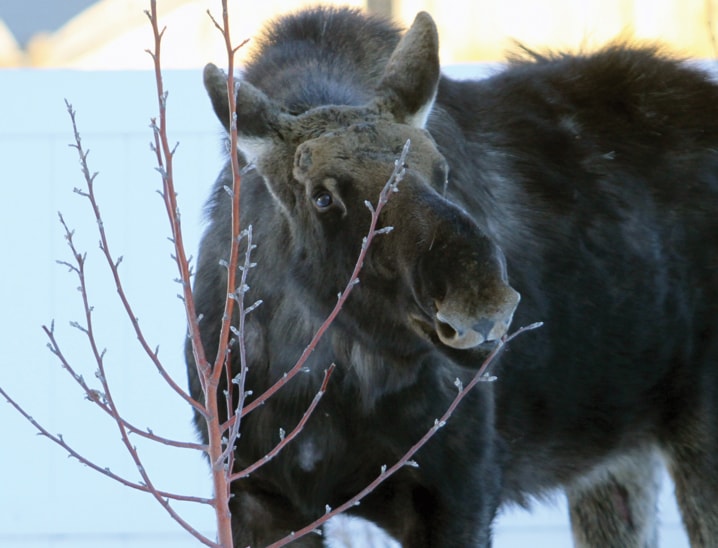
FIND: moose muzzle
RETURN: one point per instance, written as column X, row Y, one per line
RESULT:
column 460, row 328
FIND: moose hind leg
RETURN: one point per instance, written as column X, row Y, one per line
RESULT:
column 615, row 506
column 693, row 465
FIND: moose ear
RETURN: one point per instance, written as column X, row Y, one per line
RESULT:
column 411, row 77
column 259, row 118
column 215, row 82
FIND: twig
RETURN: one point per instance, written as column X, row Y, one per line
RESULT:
column 211, row 375
column 221, row 360
column 285, row 439
column 439, row 423
column 59, row 440
column 390, row 187
column 99, row 355
column 114, row 264
column 240, row 379
column 99, row 399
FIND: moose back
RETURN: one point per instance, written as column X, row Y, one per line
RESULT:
column 577, row 190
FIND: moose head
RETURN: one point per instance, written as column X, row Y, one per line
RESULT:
column 436, row 280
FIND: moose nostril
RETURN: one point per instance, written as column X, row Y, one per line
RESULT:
column 484, row 327
column 446, row 331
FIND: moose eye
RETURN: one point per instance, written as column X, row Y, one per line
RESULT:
column 323, row 199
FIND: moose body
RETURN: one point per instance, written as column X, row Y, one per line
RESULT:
column 585, row 184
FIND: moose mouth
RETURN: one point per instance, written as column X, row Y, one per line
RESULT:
column 438, row 332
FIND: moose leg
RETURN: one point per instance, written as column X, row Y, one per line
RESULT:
column 693, row 464
column 615, row 505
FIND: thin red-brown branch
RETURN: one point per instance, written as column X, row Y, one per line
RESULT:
column 209, row 375
column 113, row 265
column 222, row 357
column 98, row 398
column 59, row 440
column 391, row 186
column 240, row 379
column 99, row 355
column 406, row 459
column 291, row 435
column 211, row 381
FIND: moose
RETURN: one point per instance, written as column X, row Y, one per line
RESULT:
column 580, row 190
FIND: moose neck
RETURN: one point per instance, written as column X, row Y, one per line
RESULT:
column 303, row 64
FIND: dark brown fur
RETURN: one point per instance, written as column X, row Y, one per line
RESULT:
column 587, row 183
